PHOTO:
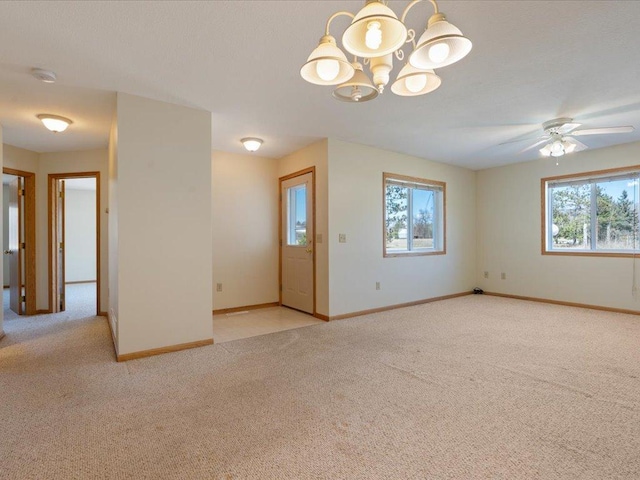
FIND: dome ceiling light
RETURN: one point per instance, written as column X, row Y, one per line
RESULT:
column 252, row 144
column 377, row 35
column 55, row 123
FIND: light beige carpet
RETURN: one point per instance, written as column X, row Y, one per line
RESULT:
column 471, row 388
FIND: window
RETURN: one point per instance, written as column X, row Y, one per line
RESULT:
column 414, row 216
column 297, row 215
column 594, row 213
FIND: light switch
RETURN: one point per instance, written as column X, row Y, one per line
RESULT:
column 342, row 237
column 318, row 238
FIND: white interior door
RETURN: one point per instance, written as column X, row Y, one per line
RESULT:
column 297, row 242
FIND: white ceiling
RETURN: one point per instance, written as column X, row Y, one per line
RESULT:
column 532, row 61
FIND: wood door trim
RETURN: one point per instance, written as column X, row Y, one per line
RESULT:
column 312, row 171
column 63, row 176
column 29, row 236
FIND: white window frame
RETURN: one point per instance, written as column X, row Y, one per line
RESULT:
column 439, row 220
column 586, row 178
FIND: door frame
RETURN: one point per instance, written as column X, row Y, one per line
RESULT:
column 54, row 177
column 29, row 237
column 312, row 171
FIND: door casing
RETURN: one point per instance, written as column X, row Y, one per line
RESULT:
column 52, row 205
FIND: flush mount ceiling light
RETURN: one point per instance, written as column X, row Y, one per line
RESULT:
column 377, row 35
column 46, row 76
column 55, row 123
column 251, row 144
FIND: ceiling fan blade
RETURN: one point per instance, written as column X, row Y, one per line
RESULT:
column 568, row 127
column 602, row 131
column 518, row 140
column 537, row 144
column 579, row 145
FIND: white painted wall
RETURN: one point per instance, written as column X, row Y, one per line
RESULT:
column 509, row 235
column 68, row 162
column 164, row 224
column 315, row 155
column 245, row 229
column 80, row 233
column 356, row 209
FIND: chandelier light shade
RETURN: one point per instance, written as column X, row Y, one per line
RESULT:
column 327, row 64
column 377, row 35
column 55, row 123
column 358, row 89
column 412, row 81
column 440, row 45
column 374, row 31
column 252, row 144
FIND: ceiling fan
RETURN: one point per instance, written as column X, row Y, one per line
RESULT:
column 559, row 136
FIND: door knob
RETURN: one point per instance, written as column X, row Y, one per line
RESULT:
column 309, row 250
column 8, row 252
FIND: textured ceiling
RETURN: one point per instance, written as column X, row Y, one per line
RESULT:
column 532, row 61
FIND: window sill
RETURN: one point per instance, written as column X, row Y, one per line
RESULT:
column 413, row 253
column 592, row 253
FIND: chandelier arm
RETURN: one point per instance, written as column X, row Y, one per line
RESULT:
column 414, row 2
column 335, row 15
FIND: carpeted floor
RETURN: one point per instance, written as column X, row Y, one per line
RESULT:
column 471, row 388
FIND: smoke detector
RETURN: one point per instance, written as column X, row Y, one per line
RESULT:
column 46, row 76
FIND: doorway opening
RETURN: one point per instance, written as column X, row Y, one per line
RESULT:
column 19, row 214
column 74, row 240
column 297, row 270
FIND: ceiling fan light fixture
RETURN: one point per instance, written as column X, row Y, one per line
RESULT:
column 252, row 144
column 327, row 64
column 54, row 123
column 412, row 81
column 441, row 44
column 374, row 31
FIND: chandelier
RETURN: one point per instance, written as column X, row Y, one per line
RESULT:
column 376, row 35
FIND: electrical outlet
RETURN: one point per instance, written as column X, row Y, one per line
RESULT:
column 342, row 238
column 218, row 287
column 503, row 276
column 377, row 285
column 486, row 274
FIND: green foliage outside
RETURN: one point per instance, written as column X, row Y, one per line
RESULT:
column 616, row 218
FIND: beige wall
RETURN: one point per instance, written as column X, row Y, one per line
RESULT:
column 164, row 224
column 112, row 194
column 20, row 159
column 245, row 229
column 356, row 209
column 509, row 235
column 315, row 155
column 60, row 162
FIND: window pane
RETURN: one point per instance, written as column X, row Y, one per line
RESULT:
column 297, row 213
column 397, row 213
column 617, row 214
column 571, row 217
column 423, row 218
